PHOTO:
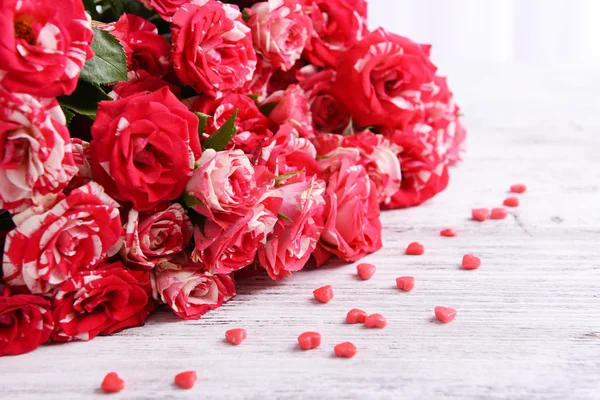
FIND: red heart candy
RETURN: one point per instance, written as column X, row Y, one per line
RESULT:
column 186, row 380
column 470, row 261
column 445, row 314
column 112, row 383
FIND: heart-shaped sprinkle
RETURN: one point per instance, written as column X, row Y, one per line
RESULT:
column 112, row 383
column 445, row 314
column 470, row 261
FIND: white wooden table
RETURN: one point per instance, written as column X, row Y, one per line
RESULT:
column 528, row 324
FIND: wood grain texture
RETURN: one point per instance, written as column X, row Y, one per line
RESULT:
column 528, row 324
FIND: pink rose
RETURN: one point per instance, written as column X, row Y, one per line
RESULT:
column 280, row 30
column 225, row 185
column 191, row 292
column 74, row 235
column 212, row 48
column 297, row 232
column 145, row 48
column 44, row 46
column 384, row 80
column 338, row 24
column 101, row 302
column 352, row 228
column 258, row 84
column 144, row 147
column 331, row 153
column 251, row 125
column 167, row 8
column 292, row 109
column 424, row 165
column 36, row 157
column 82, row 159
column 223, row 251
column 442, row 114
column 380, row 158
column 25, row 323
column 287, row 152
column 329, row 114
column 154, row 237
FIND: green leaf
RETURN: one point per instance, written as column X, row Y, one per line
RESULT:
column 221, row 138
column 190, row 200
column 267, row 108
column 84, row 100
column 282, row 215
column 255, row 96
column 68, row 115
column 203, row 119
column 109, row 65
column 246, row 15
column 284, row 177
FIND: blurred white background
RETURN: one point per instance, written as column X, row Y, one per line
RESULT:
column 530, row 31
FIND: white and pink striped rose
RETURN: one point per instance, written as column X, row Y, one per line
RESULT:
column 280, row 31
column 191, row 292
column 338, row 24
column 36, row 158
column 225, row 185
column 74, row 235
column 155, row 236
column 223, row 251
column 44, row 47
column 212, row 48
column 287, row 152
column 298, row 229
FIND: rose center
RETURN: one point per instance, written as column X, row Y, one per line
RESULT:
column 23, row 30
column 14, row 153
column 5, row 320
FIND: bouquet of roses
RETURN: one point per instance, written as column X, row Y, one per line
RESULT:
column 150, row 150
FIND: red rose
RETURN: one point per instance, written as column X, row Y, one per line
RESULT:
column 166, row 8
column 140, row 82
column 36, row 157
column 74, row 235
column 101, row 302
column 44, row 46
column 25, row 323
column 352, row 228
column 251, row 125
column 144, row 47
column 280, row 30
column 298, row 229
column 144, row 148
column 212, row 48
column 384, row 80
column 424, row 165
column 191, row 292
column 287, row 152
column 155, row 237
column 338, row 24
column 223, row 251
column 329, row 114
column 292, row 109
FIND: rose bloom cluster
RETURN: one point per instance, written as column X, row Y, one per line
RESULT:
column 107, row 218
